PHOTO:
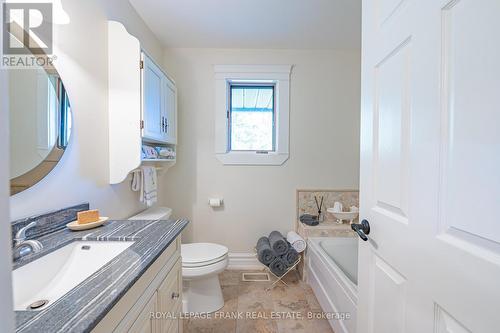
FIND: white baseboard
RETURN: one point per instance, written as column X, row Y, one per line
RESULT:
column 244, row 261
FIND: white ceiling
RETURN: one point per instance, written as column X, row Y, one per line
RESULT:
column 281, row 24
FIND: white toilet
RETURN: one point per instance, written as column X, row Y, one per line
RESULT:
column 201, row 264
column 153, row 213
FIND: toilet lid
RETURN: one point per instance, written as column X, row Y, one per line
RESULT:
column 197, row 253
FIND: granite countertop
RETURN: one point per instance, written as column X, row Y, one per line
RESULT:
column 81, row 309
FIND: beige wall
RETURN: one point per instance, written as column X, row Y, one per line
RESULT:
column 81, row 53
column 324, row 131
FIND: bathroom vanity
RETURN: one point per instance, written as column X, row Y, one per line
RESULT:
column 138, row 290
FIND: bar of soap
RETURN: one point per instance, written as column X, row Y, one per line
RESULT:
column 88, row 216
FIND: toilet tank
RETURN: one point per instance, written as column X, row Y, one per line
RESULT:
column 153, row 213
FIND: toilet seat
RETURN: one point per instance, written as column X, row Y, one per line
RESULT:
column 199, row 272
column 202, row 254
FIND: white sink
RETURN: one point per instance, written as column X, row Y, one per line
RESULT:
column 56, row 273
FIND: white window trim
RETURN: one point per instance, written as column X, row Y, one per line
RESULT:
column 276, row 74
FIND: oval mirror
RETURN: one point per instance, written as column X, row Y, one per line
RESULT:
column 40, row 124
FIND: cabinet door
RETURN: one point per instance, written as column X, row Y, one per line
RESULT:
column 170, row 112
column 170, row 300
column 153, row 100
column 144, row 323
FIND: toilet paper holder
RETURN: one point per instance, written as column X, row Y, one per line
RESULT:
column 215, row 202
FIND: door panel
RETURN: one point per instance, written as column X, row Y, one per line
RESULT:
column 153, row 100
column 471, row 97
column 392, row 133
column 388, row 300
column 170, row 111
column 447, row 324
column 386, row 9
column 430, row 157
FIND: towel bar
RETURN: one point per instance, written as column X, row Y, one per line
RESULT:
column 139, row 169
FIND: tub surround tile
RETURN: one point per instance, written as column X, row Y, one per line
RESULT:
column 329, row 227
column 83, row 307
column 307, row 205
column 325, row 229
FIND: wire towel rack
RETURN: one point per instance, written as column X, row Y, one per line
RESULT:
column 279, row 278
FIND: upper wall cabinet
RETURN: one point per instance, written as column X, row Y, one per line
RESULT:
column 142, row 103
column 124, row 102
column 159, row 104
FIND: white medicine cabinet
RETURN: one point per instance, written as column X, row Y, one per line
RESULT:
column 159, row 103
column 142, row 106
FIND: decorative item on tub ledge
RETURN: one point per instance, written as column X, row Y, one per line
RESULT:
column 309, row 219
column 306, row 204
column 319, row 206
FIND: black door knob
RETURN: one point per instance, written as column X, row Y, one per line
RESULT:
column 362, row 229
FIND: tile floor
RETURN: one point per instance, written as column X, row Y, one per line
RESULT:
column 245, row 299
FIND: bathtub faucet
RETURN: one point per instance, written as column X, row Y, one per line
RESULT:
column 362, row 229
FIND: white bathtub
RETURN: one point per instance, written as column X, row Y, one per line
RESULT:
column 332, row 265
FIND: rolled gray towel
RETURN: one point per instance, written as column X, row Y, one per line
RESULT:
column 305, row 217
column 309, row 219
column 290, row 257
column 278, row 267
column 264, row 252
column 278, row 243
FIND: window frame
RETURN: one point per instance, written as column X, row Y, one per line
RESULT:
column 276, row 75
column 252, row 85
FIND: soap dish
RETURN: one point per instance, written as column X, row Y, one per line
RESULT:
column 77, row 226
column 343, row 216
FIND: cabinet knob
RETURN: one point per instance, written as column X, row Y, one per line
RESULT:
column 175, row 295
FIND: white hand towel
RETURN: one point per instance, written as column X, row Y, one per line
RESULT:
column 148, row 193
column 298, row 243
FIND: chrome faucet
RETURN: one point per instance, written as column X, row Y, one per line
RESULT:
column 24, row 247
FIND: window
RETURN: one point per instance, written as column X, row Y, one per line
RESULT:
column 251, row 118
column 252, row 114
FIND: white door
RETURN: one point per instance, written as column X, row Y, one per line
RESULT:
column 153, row 101
column 430, row 166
